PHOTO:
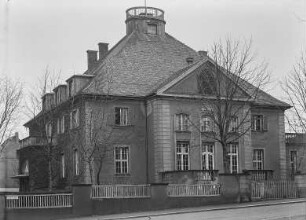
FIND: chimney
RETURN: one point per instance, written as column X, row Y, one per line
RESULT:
column 202, row 53
column 103, row 49
column 189, row 60
column 91, row 58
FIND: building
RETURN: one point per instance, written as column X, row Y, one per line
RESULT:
column 296, row 153
column 125, row 119
column 9, row 165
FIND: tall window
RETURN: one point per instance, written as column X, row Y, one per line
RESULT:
column 74, row 119
column 122, row 160
column 259, row 123
column 62, row 124
column 182, row 155
column 182, row 121
column 49, row 130
column 258, row 159
column 233, row 156
column 293, row 161
column 206, row 124
column 76, row 162
column 121, row 116
column 233, row 126
column 207, row 156
column 63, row 166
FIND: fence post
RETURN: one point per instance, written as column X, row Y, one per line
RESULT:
column 82, row 202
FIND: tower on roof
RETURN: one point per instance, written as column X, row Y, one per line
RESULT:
column 146, row 20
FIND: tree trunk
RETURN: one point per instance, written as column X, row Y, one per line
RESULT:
column 226, row 160
column 98, row 173
column 50, row 182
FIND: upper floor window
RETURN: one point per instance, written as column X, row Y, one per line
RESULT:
column 122, row 160
column 207, row 156
column 206, row 124
column 182, row 155
column 62, row 124
column 259, row 123
column 76, row 162
column 74, row 118
column 233, row 156
column 121, row 116
column 152, row 29
column 49, row 129
column 258, row 159
column 63, row 174
column 182, row 121
column 233, row 125
column 70, row 84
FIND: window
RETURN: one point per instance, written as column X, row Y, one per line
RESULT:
column 76, row 162
column 259, row 123
column 182, row 155
column 293, row 161
column 233, row 156
column 70, row 88
column 258, row 159
column 63, row 166
column 58, row 126
column 62, row 124
column 182, row 121
column 233, row 126
column 122, row 160
column 121, row 116
column 206, row 124
column 58, row 97
column 74, row 118
column 49, row 130
column 152, row 29
column 207, row 156
column 25, row 167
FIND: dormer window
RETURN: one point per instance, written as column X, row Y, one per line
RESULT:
column 152, row 29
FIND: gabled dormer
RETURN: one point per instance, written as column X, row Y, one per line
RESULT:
column 48, row 101
column 60, row 94
column 77, row 82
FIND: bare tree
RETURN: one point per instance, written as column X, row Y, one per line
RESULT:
column 45, row 121
column 295, row 89
column 231, row 81
column 10, row 101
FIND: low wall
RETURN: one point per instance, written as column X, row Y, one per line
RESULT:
column 300, row 180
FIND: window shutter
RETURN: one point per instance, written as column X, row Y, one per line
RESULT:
column 175, row 122
column 117, row 116
column 265, row 123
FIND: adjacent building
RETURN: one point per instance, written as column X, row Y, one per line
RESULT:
column 126, row 119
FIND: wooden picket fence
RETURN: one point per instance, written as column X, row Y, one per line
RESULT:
column 38, row 201
column 120, row 191
column 273, row 189
column 197, row 190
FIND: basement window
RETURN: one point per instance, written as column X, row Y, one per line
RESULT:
column 152, row 29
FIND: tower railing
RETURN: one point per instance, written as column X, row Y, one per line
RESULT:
column 145, row 12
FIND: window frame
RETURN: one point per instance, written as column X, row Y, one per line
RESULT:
column 74, row 123
column 63, row 166
column 123, row 115
column 234, row 123
column 76, row 162
column 179, row 156
column 182, row 122
column 293, row 164
column 206, row 125
column 233, row 155
column 150, row 29
column 206, row 154
column 124, row 166
column 258, row 161
column 259, row 122
column 62, row 124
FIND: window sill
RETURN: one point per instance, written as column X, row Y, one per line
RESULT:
column 182, row 131
column 260, row 131
column 122, row 126
column 122, row 175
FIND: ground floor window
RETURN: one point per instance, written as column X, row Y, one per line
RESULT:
column 76, row 162
column 207, row 156
column 182, row 155
column 233, row 157
column 258, row 159
column 293, row 161
column 122, row 160
column 63, row 166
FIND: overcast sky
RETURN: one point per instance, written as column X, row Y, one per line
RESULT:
column 57, row 33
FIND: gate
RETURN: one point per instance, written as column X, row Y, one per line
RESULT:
column 273, row 189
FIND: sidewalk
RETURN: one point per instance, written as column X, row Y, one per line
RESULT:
column 191, row 210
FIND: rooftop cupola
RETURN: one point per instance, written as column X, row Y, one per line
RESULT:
column 146, row 20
